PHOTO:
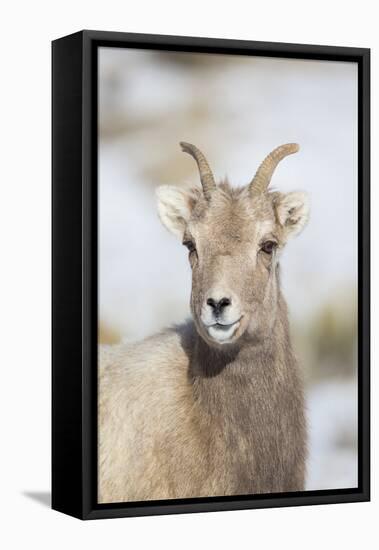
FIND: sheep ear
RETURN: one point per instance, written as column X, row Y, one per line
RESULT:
column 292, row 210
column 175, row 207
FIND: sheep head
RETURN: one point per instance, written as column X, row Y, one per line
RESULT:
column 234, row 237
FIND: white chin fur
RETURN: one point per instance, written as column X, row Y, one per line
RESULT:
column 222, row 335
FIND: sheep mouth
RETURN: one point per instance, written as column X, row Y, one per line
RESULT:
column 223, row 326
column 223, row 333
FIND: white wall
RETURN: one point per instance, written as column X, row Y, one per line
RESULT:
column 27, row 29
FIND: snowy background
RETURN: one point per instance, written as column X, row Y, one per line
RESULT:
column 237, row 109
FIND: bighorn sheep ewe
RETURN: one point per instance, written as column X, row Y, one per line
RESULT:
column 215, row 406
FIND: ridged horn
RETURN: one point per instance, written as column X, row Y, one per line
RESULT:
column 263, row 175
column 206, row 176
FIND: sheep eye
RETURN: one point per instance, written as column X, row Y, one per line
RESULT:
column 268, row 247
column 190, row 245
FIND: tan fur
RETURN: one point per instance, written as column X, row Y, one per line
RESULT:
column 185, row 414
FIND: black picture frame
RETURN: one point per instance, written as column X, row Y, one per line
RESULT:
column 74, row 271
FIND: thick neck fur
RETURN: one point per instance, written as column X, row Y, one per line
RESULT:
column 249, row 402
column 226, row 380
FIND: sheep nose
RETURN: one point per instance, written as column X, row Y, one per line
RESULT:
column 219, row 305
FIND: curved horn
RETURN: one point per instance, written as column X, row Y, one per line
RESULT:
column 263, row 175
column 206, row 176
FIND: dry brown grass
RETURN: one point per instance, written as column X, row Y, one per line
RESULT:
column 108, row 334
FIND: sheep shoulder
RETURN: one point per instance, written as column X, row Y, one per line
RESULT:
column 153, row 368
column 147, row 420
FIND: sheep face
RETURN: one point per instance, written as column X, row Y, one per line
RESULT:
column 234, row 238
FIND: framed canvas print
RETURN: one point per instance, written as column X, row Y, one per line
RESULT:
column 210, row 275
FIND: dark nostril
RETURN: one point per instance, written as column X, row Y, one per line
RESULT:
column 218, row 306
column 211, row 302
column 223, row 303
